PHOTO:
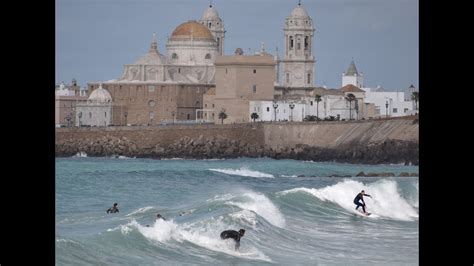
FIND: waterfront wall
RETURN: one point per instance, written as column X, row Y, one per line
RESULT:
column 369, row 141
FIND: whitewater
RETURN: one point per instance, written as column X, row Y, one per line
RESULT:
column 292, row 211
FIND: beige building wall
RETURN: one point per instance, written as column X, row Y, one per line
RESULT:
column 239, row 80
column 144, row 103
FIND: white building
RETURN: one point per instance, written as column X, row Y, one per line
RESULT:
column 386, row 103
column 97, row 111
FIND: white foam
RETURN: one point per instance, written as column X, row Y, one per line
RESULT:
column 243, row 172
column 246, row 217
column 204, row 235
column 289, row 176
column 141, row 210
column 80, row 155
column 261, row 205
column 386, row 201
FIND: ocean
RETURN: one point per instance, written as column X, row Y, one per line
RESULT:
column 292, row 211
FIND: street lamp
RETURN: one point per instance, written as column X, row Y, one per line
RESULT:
column 292, row 105
column 356, row 107
column 125, row 114
column 79, row 115
column 173, row 113
column 275, row 106
column 386, row 108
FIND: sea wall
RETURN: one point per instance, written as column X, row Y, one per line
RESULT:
column 369, row 141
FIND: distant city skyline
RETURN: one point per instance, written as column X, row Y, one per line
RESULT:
column 95, row 38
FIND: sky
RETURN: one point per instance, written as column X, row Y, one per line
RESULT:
column 96, row 38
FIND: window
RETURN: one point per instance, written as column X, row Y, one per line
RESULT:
column 268, row 109
column 197, row 103
column 405, row 110
column 188, row 116
column 212, row 105
column 287, row 77
column 210, row 24
column 151, row 103
column 174, row 56
column 105, row 114
column 291, row 42
column 395, row 110
column 309, row 78
column 212, row 115
column 311, row 103
column 298, row 45
column 208, row 56
column 306, row 42
column 152, row 115
column 254, row 71
column 179, row 70
column 205, row 105
column 254, row 88
column 90, row 115
column 151, row 88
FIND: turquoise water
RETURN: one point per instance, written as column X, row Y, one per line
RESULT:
column 289, row 220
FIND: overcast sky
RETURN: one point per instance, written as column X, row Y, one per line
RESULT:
column 95, row 38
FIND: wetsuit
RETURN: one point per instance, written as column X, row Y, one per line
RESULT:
column 358, row 198
column 113, row 210
column 232, row 234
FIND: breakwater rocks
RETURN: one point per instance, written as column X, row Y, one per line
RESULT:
column 388, row 151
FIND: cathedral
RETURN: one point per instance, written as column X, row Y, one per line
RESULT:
column 170, row 86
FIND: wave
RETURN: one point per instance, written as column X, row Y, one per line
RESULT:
column 243, row 172
column 385, row 202
column 80, row 155
column 141, row 210
column 203, row 233
column 261, row 205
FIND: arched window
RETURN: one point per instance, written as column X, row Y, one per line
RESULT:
column 306, row 42
column 174, row 56
column 291, row 42
column 309, row 78
column 208, row 56
column 210, row 24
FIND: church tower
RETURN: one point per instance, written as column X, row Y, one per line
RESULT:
column 210, row 19
column 351, row 76
column 298, row 59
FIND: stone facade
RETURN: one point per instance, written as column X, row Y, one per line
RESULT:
column 299, row 59
column 239, row 80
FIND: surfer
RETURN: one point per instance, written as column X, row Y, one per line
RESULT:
column 359, row 197
column 234, row 235
column 113, row 209
column 158, row 216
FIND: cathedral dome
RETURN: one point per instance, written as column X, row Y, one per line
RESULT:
column 299, row 12
column 210, row 14
column 100, row 95
column 191, row 29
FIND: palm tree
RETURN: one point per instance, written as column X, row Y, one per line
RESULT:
column 254, row 116
column 317, row 98
column 350, row 98
column 222, row 116
column 414, row 97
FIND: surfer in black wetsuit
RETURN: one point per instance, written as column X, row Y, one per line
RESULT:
column 113, row 209
column 158, row 216
column 234, row 235
column 359, row 197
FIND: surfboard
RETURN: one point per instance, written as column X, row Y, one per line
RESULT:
column 366, row 214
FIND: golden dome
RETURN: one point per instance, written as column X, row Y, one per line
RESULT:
column 194, row 29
